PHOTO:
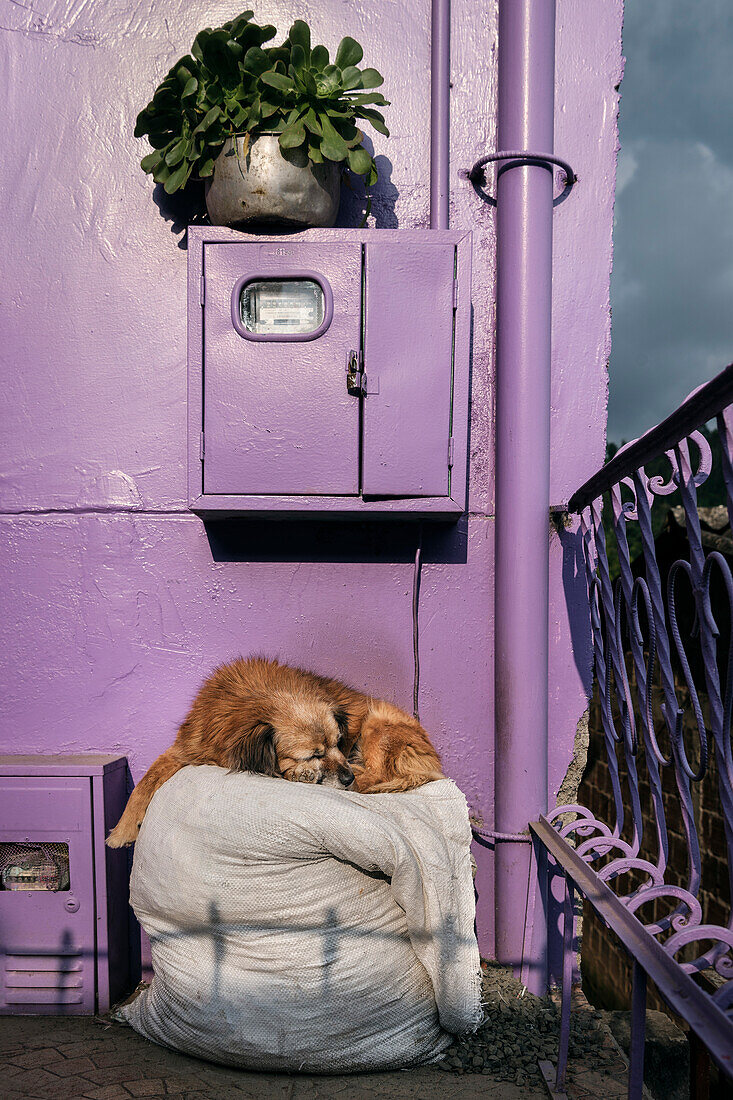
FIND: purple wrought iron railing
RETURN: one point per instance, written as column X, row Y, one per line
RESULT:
column 640, row 656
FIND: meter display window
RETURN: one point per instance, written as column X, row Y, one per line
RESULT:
column 282, row 307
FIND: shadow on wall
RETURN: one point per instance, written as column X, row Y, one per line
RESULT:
column 384, row 197
column 576, row 601
column 382, row 542
column 182, row 209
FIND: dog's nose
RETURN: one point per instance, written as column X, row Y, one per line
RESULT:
column 346, row 776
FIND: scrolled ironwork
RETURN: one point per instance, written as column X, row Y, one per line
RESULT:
column 661, row 488
column 680, row 920
column 665, row 689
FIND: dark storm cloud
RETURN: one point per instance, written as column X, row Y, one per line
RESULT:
column 672, row 284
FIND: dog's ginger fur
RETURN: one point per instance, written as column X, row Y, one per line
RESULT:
column 260, row 716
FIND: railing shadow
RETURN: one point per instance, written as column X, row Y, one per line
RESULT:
column 222, row 966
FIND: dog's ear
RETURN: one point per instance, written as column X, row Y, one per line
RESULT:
column 342, row 721
column 255, row 752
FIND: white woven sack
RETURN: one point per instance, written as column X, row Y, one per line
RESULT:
column 297, row 927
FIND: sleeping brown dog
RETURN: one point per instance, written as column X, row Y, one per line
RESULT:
column 257, row 715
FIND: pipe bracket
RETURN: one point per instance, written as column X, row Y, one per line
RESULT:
column 518, row 158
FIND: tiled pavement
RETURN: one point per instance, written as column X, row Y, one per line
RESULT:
column 53, row 1058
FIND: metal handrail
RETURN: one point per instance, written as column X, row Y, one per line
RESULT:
column 701, row 405
column 677, row 988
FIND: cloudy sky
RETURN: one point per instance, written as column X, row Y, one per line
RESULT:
column 672, row 283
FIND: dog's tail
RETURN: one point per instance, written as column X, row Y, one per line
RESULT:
column 396, row 752
column 126, row 830
column 408, row 769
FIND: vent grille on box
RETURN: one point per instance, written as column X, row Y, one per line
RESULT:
column 43, row 979
column 34, row 866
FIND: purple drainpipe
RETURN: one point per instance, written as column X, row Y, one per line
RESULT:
column 439, row 113
column 524, row 283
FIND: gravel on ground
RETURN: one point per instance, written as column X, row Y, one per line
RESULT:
column 520, row 1030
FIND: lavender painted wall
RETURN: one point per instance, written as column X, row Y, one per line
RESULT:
column 115, row 600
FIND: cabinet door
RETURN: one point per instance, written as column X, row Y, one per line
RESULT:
column 409, row 367
column 47, row 946
column 277, row 415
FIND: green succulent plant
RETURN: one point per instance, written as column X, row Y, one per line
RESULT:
column 231, row 83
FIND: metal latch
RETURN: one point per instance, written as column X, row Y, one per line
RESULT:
column 355, row 377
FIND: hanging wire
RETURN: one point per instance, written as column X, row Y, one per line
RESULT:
column 416, row 626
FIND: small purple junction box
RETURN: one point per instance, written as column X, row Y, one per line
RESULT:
column 68, row 942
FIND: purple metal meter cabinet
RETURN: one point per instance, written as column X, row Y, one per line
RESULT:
column 328, row 372
column 66, row 945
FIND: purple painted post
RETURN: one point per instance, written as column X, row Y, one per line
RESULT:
column 568, row 924
column 439, row 113
column 524, row 279
column 638, row 1025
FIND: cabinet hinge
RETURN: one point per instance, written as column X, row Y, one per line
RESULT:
column 450, row 452
column 455, row 293
column 202, row 447
column 202, row 290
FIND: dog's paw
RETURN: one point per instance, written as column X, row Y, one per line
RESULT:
column 122, row 836
column 364, row 782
